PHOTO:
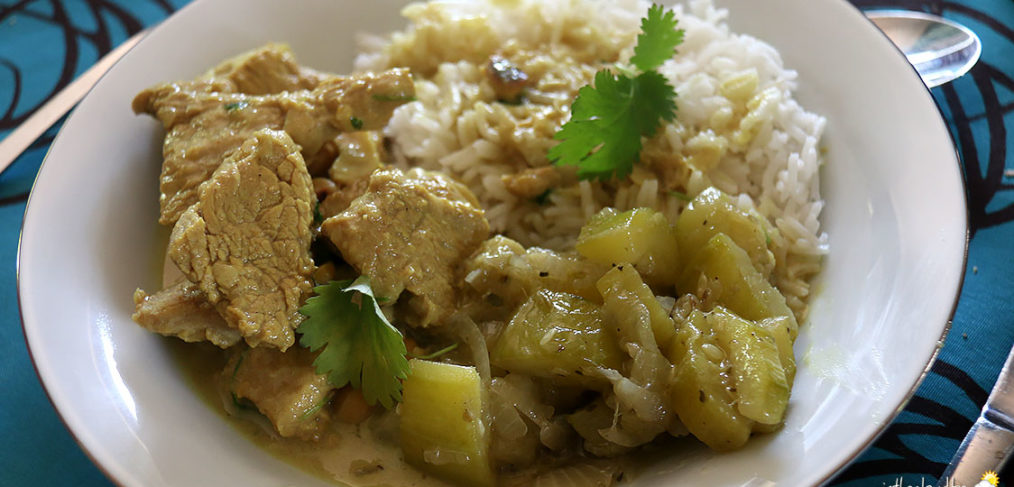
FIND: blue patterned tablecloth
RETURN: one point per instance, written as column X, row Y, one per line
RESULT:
column 44, row 44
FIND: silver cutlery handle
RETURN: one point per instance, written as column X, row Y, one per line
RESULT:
column 17, row 141
column 990, row 442
column 986, row 448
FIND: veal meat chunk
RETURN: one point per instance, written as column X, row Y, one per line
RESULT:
column 203, row 126
column 245, row 242
column 284, row 387
column 411, row 231
column 263, row 71
column 182, row 310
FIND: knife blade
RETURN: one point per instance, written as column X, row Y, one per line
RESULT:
column 990, row 442
column 17, row 141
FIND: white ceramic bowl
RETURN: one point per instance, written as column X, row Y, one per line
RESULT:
column 895, row 214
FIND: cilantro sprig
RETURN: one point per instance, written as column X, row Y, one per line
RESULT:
column 609, row 118
column 357, row 344
column 658, row 39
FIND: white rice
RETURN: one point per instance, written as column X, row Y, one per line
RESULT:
column 766, row 147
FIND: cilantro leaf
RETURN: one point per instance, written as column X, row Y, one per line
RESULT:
column 357, row 344
column 658, row 39
column 603, row 137
column 657, row 97
column 609, row 117
column 318, row 217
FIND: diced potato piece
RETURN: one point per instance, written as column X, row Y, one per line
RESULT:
column 624, row 283
column 556, row 335
column 701, row 391
column 642, row 237
column 713, row 212
column 762, row 390
column 442, row 427
column 730, row 279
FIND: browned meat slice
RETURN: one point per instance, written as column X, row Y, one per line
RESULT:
column 183, row 311
column 410, row 231
column 284, row 387
column 269, row 69
column 202, row 126
column 246, row 240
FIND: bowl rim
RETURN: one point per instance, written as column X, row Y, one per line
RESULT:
column 106, row 471
column 889, row 419
column 832, row 473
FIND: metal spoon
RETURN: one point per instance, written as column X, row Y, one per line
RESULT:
column 939, row 49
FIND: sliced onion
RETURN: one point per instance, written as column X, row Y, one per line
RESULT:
column 520, row 391
column 556, row 434
column 508, row 425
column 468, row 332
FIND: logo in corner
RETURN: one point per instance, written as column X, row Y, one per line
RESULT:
column 989, row 479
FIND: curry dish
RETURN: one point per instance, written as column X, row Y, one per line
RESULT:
column 351, row 292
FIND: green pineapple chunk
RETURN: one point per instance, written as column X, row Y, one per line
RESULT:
column 730, row 280
column 702, row 391
column 784, row 332
column 557, row 335
column 729, row 378
column 756, row 368
column 443, row 430
column 713, row 212
column 622, row 286
column 642, row 237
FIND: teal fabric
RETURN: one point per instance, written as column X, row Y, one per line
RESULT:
column 44, row 44
column 978, row 109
